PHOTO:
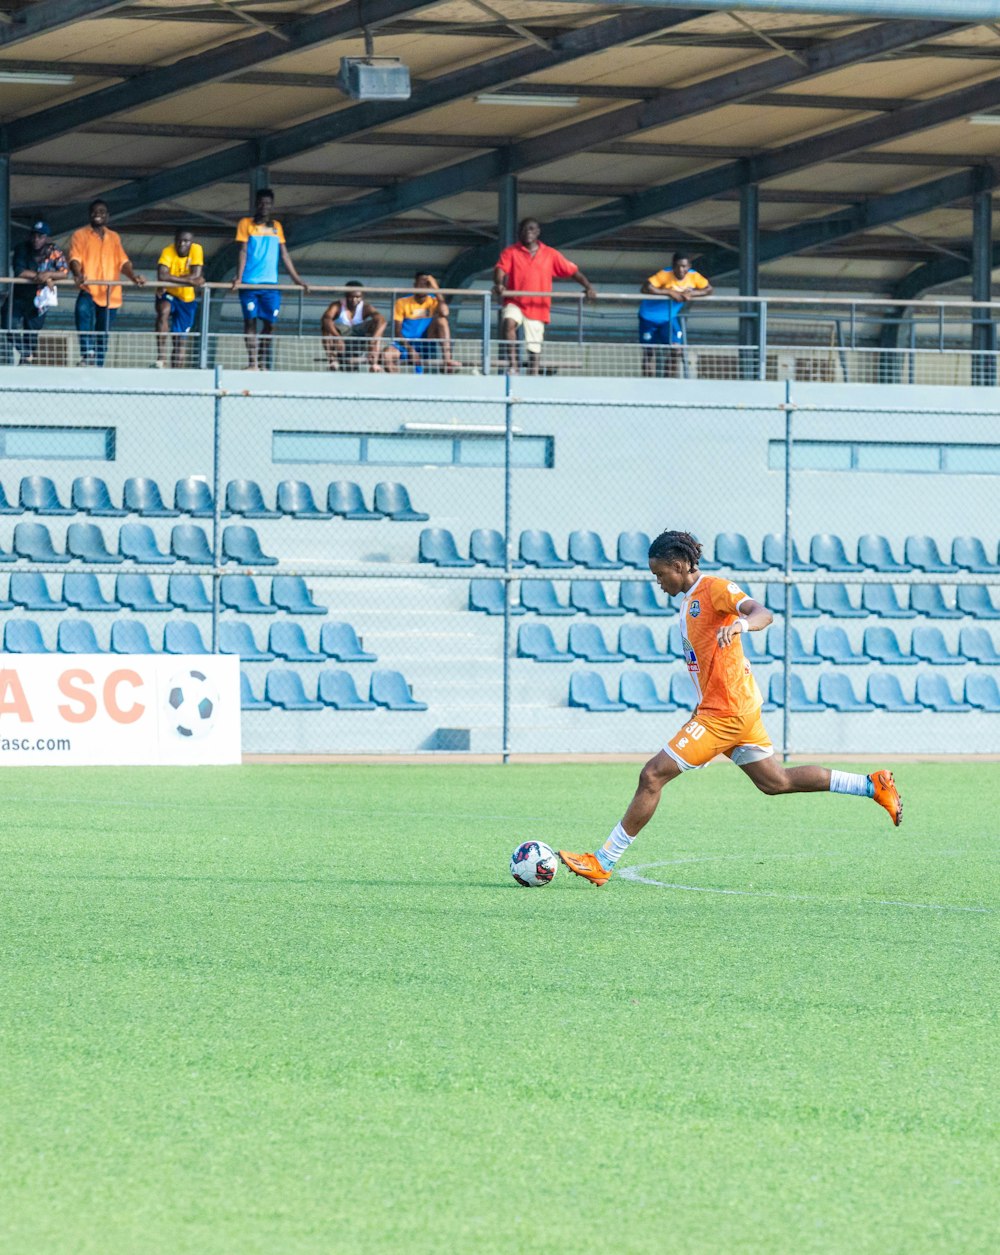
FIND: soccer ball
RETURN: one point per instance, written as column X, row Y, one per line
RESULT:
column 191, row 703
column 533, row 863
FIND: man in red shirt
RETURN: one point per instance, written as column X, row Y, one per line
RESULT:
column 530, row 266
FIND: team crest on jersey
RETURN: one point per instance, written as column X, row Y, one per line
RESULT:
column 694, row 610
column 734, row 589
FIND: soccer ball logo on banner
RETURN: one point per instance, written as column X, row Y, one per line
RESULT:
column 192, row 701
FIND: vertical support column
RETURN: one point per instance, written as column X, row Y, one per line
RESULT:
column 5, row 247
column 984, row 370
column 507, row 210
column 750, row 367
column 258, row 180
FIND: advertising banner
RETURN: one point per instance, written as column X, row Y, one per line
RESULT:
column 107, row 709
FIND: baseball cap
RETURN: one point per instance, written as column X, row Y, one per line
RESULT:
column 40, row 228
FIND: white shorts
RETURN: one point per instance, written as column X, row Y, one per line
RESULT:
column 534, row 328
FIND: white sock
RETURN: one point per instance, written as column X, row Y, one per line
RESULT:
column 848, row 782
column 615, row 846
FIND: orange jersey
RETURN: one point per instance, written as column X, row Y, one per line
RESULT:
column 722, row 676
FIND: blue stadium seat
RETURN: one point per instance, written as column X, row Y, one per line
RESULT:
column 287, row 640
column 487, row 548
column 289, row 592
column 141, row 495
column 929, row 645
column 487, row 596
column 975, row 600
column 881, row 644
column 968, row 553
column 83, row 590
column 244, row 497
column 706, row 562
column 38, row 493
column 237, row 638
column 240, row 543
column 981, row 691
column 393, row 500
column 76, row 636
column 774, row 554
column 800, row 655
column 636, row 689
column 534, row 640
column 885, row 692
column 340, row 641
column 187, row 592
column 835, row 691
column 800, row 701
column 589, row 596
column 538, row 549
column 283, row 687
column 128, row 636
column 633, row 550
column 587, row 549
column 733, row 551
column 337, row 689
column 5, row 604
column 295, row 497
column 23, row 636
column 875, row 553
column 90, row 495
column 586, row 689
column 683, row 693
column 774, row 600
column 922, row 553
column 193, row 496
column 344, row 497
column 248, row 701
column 833, row 599
column 189, row 543
column 638, row 597
column 540, row 597
column 976, row 644
column 239, row 592
column 881, row 600
column 586, row 640
column 33, row 541
column 827, row 551
column 675, row 643
column 635, row 640
column 137, row 541
column 934, row 693
column 136, row 592
column 5, row 505
column 182, row 637
column 86, row 542
column 437, row 545
column 832, row 644
column 752, row 651
column 29, row 589
column 928, row 600
column 7, row 557
column 389, row 688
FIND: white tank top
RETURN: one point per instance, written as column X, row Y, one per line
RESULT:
column 351, row 320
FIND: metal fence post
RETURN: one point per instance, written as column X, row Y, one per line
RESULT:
column 762, row 340
column 216, row 507
column 487, row 316
column 787, row 661
column 508, row 542
column 203, row 329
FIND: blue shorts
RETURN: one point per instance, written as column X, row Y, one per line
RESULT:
column 265, row 305
column 669, row 332
column 182, row 314
column 426, row 350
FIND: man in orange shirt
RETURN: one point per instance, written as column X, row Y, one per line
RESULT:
column 714, row 615
column 96, row 253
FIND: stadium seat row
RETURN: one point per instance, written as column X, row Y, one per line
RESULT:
column 334, row 690
column 193, row 495
column 85, row 542
column 831, row 644
column 128, row 636
column 81, row 589
column 636, row 689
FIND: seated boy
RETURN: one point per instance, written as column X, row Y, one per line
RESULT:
column 420, row 326
column 352, row 329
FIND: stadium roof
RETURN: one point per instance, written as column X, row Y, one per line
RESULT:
column 630, row 131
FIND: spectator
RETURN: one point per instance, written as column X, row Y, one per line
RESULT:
column 39, row 260
column 177, row 308
column 351, row 329
column 262, row 243
column 96, row 253
column 420, row 325
column 530, row 266
column 661, row 322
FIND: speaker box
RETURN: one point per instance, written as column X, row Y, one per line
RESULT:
column 375, row 78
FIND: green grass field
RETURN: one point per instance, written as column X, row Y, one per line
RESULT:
column 305, row 1009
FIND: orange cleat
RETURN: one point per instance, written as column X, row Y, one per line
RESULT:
column 887, row 795
column 585, row 865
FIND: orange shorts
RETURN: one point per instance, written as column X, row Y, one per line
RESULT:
column 742, row 738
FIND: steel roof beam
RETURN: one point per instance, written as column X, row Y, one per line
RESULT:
column 38, row 19
column 959, row 10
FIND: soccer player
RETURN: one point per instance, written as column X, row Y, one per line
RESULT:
column 714, row 615
column 262, row 245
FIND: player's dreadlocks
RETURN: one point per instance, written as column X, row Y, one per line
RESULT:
column 674, row 546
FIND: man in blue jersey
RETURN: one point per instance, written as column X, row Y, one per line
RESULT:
column 262, row 245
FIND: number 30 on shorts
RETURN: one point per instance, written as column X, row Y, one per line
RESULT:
column 694, row 730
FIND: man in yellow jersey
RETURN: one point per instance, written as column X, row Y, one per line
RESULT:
column 714, row 615
column 177, row 307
